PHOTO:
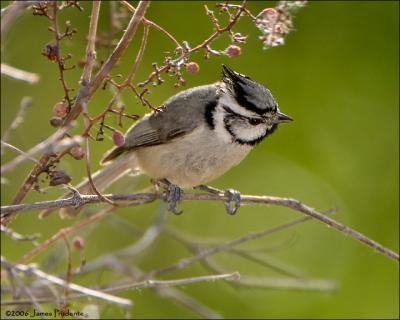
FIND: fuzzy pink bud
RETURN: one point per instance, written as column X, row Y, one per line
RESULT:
column 192, row 67
column 59, row 109
column 233, row 51
column 77, row 153
column 118, row 138
column 78, row 243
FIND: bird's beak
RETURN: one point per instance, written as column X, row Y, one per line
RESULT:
column 281, row 117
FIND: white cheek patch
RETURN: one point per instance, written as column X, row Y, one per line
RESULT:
column 249, row 133
column 220, row 130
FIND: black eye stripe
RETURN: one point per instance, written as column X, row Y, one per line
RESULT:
column 255, row 121
column 252, row 121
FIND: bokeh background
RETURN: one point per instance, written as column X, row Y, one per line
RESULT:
column 337, row 76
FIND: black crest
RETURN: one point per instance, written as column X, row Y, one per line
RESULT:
column 248, row 93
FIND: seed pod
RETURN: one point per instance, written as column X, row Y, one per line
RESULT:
column 56, row 122
column 59, row 177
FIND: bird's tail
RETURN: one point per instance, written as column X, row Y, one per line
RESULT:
column 102, row 179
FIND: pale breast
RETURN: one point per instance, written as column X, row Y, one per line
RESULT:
column 195, row 159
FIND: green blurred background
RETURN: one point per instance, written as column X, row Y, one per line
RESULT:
column 337, row 76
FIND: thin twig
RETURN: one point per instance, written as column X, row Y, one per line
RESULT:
column 103, row 294
column 19, row 237
column 64, row 232
column 234, row 276
column 71, row 286
column 90, row 49
column 60, row 60
column 86, row 92
column 49, row 146
column 184, row 263
column 10, row 14
column 19, row 151
column 26, row 289
column 26, row 102
column 153, row 24
column 18, row 74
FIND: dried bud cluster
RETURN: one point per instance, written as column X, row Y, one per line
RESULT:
column 59, row 177
column 276, row 23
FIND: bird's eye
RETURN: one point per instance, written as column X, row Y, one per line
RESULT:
column 255, row 121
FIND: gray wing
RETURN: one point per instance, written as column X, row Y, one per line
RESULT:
column 180, row 115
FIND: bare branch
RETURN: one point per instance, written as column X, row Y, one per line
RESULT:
column 71, row 286
column 26, row 102
column 103, row 295
column 90, row 49
column 64, row 232
column 19, row 237
column 10, row 14
column 19, row 151
column 18, row 74
column 49, row 146
column 285, row 202
column 234, row 276
column 86, row 92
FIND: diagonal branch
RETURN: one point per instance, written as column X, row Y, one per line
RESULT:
column 86, row 92
column 71, row 286
column 148, row 197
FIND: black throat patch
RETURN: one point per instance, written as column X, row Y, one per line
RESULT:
column 209, row 113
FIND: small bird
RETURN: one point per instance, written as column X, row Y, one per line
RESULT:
column 197, row 136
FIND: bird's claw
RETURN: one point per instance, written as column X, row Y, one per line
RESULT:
column 172, row 195
column 232, row 196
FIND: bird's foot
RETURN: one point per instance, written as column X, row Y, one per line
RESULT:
column 172, row 195
column 231, row 195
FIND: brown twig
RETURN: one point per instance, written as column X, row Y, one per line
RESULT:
column 90, row 48
column 204, row 45
column 86, row 92
column 148, row 197
column 64, row 232
column 59, row 59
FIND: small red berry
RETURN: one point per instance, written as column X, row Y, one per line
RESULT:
column 60, row 109
column 118, row 138
column 77, row 153
column 78, row 243
column 233, row 51
column 192, row 67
